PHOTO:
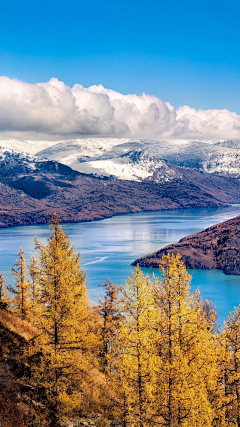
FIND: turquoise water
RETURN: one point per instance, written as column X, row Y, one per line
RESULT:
column 109, row 246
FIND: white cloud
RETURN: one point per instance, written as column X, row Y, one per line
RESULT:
column 55, row 110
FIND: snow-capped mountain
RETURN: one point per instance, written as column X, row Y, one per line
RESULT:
column 140, row 159
column 32, row 188
column 133, row 159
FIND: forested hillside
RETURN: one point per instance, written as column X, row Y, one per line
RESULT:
column 149, row 354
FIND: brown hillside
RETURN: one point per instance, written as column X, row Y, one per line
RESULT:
column 217, row 247
column 16, row 407
column 19, row 401
column 17, row 326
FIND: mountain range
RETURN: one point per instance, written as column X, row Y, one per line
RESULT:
column 136, row 159
column 96, row 178
column 139, row 159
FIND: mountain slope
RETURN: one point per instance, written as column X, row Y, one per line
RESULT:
column 137, row 159
column 217, row 247
column 32, row 189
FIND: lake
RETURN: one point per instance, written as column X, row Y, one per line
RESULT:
column 109, row 246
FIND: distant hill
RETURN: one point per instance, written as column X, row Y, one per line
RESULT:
column 217, row 247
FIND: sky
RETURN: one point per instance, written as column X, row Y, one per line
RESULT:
column 185, row 53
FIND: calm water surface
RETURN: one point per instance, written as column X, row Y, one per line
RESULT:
column 109, row 246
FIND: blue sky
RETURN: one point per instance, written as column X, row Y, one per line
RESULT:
column 183, row 52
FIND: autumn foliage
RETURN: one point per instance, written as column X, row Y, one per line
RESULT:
column 149, row 354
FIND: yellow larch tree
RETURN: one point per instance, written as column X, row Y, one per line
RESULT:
column 231, row 337
column 34, row 272
column 66, row 339
column 4, row 295
column 182, row 345
column 224, row 396
column 209, row 361
column 132, row 359
column 34, row 291
column 110, row 315
column 20, row 301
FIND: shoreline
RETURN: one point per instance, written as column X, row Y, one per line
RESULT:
column 47, row 218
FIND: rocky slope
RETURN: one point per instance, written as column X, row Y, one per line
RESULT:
column 217, row 247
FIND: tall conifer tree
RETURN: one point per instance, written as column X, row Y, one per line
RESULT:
column 231, row 338
column 20, row 301
column 34, row 287
column 132, row 358
column 65, row 339
column 182, row 345
column 109, row 311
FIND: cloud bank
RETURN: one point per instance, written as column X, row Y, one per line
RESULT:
column 55, row 110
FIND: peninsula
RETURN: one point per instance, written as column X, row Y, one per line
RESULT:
column 216, row 248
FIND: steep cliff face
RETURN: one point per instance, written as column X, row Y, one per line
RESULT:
column 217, row 247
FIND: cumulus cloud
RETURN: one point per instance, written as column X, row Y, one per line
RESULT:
column 54, row 109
